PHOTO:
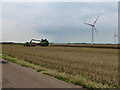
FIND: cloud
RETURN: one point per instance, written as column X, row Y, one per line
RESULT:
column 59, row 22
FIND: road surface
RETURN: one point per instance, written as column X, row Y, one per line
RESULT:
column 16, row 76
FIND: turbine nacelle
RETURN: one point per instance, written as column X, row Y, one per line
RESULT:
column 115, row 37
column 90, row 24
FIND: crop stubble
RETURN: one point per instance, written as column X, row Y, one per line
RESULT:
column 96, row 63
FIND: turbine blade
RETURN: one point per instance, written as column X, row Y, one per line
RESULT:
column 96, row 32
column 96, row 20
column 88, row 24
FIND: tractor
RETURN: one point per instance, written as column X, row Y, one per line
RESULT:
column 42, row 42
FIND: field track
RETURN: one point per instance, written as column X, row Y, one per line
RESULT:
column 16, row 76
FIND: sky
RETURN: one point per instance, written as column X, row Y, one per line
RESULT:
column 61, row 22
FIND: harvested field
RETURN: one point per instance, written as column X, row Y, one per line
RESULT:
column 98, row 64
column 111, row 46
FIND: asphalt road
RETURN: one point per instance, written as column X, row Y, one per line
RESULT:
column 16, row 76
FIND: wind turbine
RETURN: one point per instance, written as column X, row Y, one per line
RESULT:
column 93, row 29
column 115, row 37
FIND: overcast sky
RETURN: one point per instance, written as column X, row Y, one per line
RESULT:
column 59, row 21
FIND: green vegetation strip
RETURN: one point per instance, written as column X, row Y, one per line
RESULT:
column 85, row 82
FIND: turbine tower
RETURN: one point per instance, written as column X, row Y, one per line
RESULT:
column 115, row 37
column 93, row 29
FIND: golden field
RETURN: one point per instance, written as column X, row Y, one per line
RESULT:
column 98, row 64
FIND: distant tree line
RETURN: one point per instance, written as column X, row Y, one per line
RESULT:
column 14, row 43
column 78, row 43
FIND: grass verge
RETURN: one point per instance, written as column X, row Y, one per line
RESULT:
column 85, row 82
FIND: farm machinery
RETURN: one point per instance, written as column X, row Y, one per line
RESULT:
column 42, row 42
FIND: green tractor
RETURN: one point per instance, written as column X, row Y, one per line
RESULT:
column 42, row 42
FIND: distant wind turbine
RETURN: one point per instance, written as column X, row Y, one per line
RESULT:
column 93, row 29
column 115, row 37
